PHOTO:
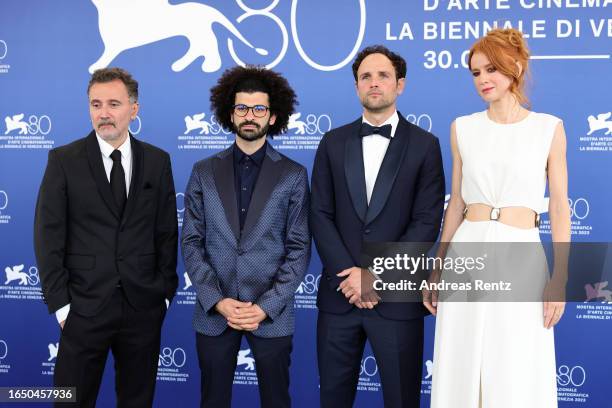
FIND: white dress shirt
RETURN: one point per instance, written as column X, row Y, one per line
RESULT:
column 374, row 149
column 126, row 161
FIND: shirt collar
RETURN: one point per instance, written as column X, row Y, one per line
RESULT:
column 392, row 120
column 257, row 157
column 107, row 149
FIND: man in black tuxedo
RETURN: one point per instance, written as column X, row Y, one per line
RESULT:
column 105, row 237
column 377, row 179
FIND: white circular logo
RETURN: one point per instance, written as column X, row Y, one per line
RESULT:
column 369, row 366
column 423, row 121
column 576, row 376
column 266, row 13
column 216, row 128
column 33, row 277
column 309, row 285
column 579, row 208
column 3, row 200
column 3, row 49
column 180, row 202
column 137, row 130
column 311, row 125
column 3, row 349
column 172, row 358
column 309, row 61
column 39, row 125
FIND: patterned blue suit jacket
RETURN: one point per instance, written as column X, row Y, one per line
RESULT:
column 264, row 263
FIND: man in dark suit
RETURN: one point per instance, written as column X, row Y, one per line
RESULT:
column 378, row 179
column 246, row 242
column 105, row 237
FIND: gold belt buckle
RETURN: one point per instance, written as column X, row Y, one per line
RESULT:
column 495, row 212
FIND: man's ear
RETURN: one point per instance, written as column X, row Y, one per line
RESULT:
column 401, row 84
column 135, row 107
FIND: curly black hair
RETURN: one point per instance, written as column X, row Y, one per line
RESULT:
column 398, row 62
column 253, row 79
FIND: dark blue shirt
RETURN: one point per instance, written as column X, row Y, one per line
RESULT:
column 246, row 171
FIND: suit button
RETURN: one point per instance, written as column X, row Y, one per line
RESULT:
column 120, row 259
column 240, row 251
column 367, row 231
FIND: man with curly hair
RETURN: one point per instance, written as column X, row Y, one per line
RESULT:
column 246, row 241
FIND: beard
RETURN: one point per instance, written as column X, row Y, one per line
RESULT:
column 108, row 134
column 251, row 135
column 376, row 106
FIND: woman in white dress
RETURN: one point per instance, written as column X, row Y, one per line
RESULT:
column 501, row 354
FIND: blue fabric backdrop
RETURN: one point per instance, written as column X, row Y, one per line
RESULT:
column 48, row 47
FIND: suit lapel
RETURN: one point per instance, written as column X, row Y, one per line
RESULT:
column 354, row 170
column 389, row 169
column 94, row 155
column 223, row 169
column 266, row 181
column 137, row 171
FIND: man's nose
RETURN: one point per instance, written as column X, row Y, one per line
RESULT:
column 249, row 115
column 104, row 113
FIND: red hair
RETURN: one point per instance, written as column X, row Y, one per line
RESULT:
column 504, row 48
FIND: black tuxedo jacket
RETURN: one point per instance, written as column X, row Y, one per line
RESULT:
column 406, row 205
column 84, row 248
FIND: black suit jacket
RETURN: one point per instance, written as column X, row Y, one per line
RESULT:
column 406, row 204
column 83, row 248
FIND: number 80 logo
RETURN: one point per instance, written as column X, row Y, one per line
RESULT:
column 39, row 125
column 576, row 376
column 266, row 12
column 169, row 357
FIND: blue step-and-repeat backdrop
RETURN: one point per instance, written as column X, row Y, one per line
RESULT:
column 177, row 50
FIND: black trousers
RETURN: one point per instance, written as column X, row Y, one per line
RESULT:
column 132, row 336
column 397, row 347
column 217, row 356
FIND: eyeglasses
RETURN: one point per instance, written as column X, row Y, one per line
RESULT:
column 259, row 111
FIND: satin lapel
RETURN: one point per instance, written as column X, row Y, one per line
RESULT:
column 388, row 170
column 354, row 171
column 94, row 155
column 135, row 180
column 266, row 181
column 223, row 169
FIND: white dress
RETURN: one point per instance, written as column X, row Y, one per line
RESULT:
column 497, row 354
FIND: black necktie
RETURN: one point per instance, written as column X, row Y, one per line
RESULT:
column 367, row 130
column 117, row 181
